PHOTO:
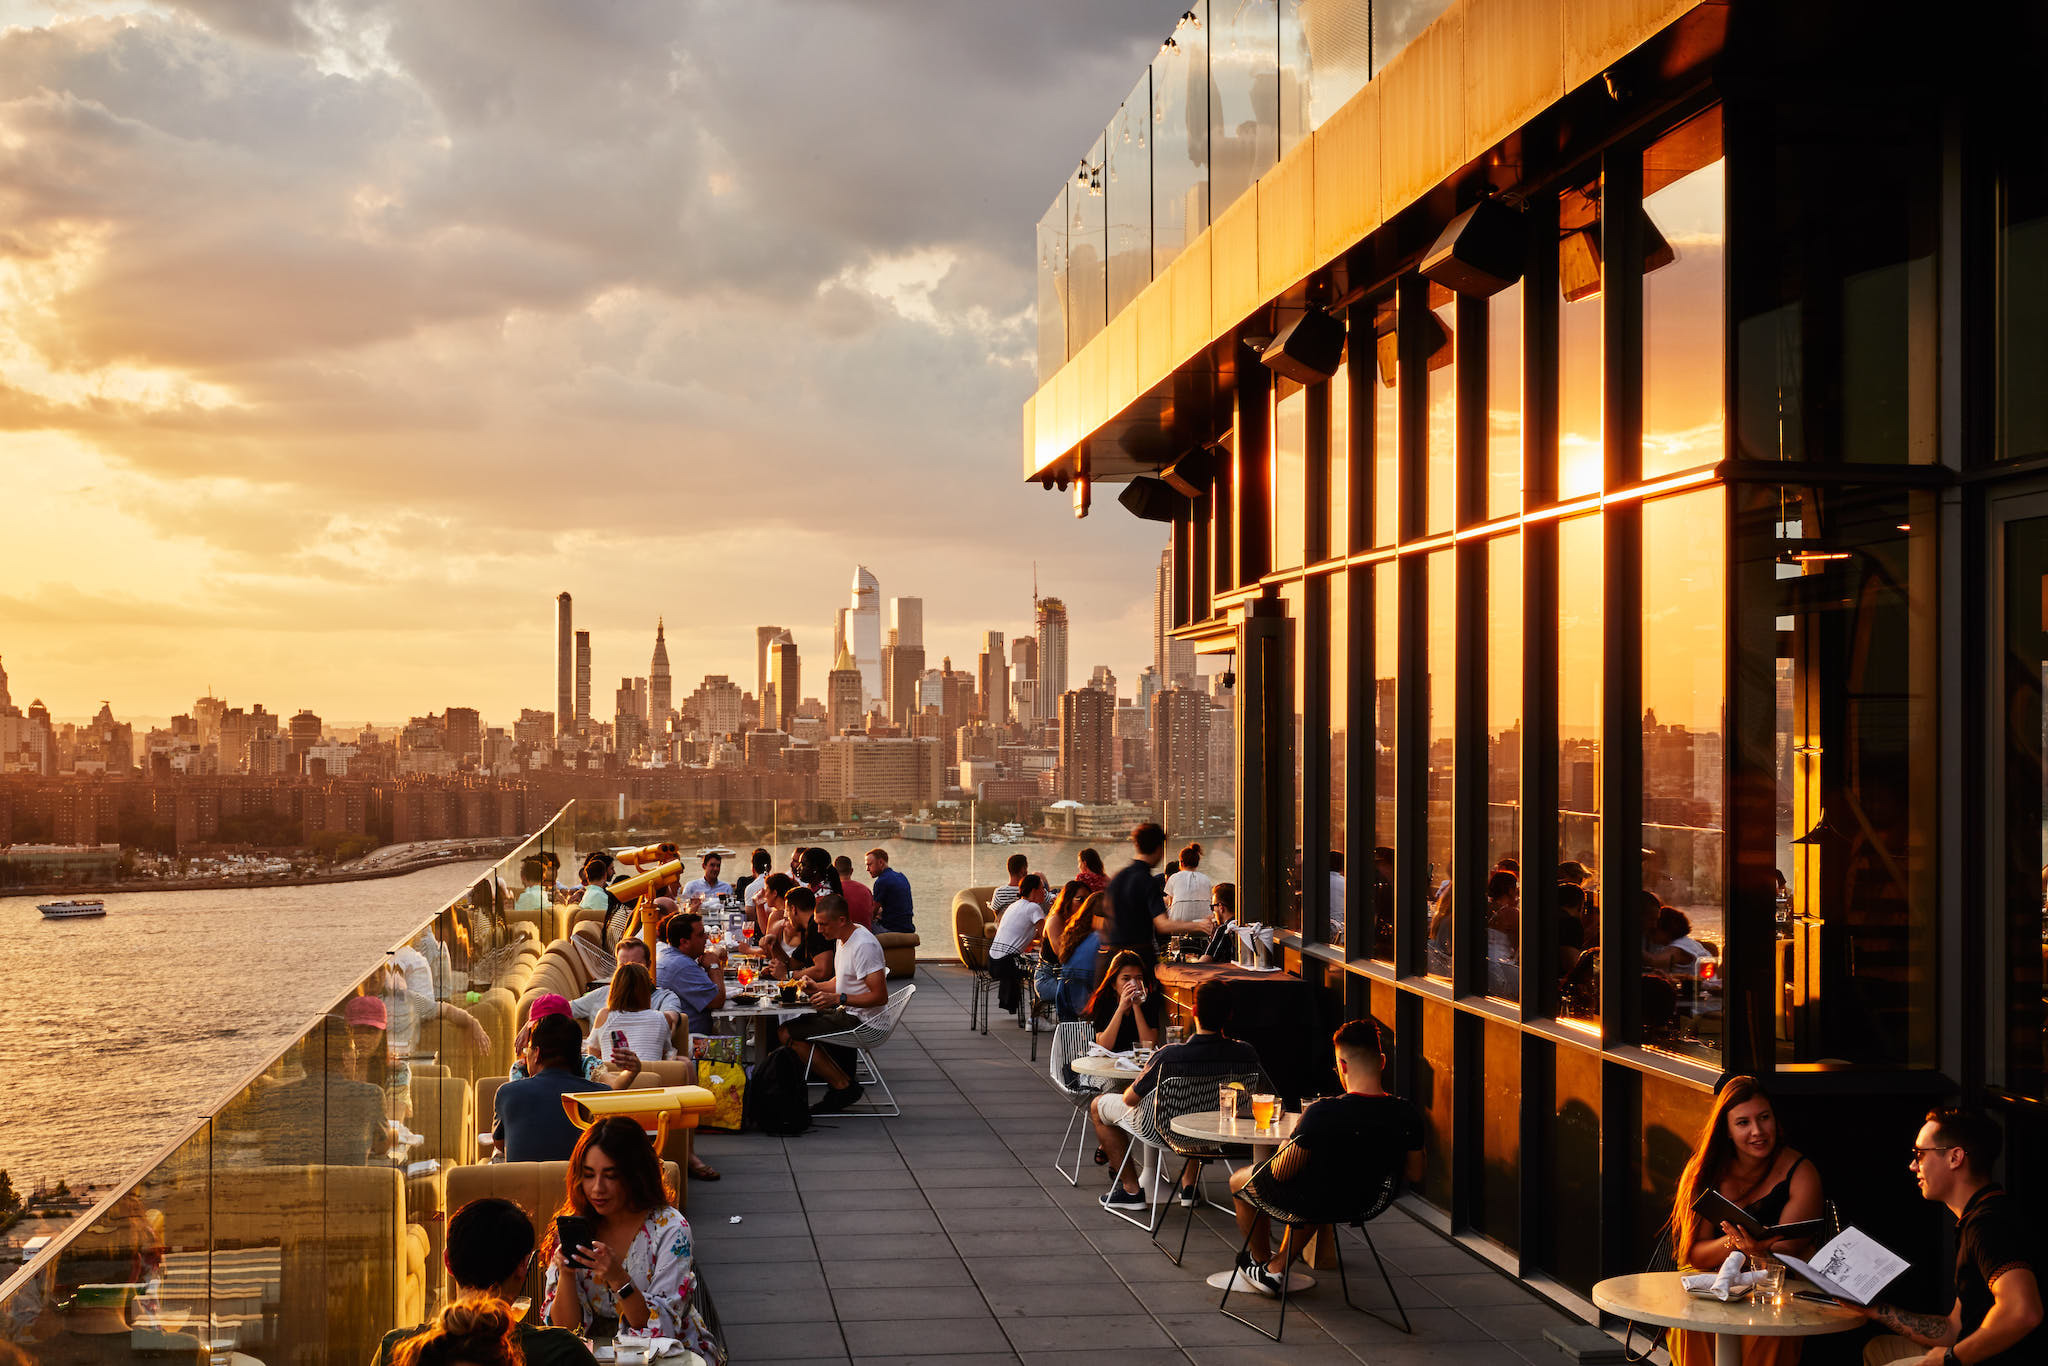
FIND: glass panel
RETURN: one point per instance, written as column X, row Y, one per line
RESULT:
column 1295, row 596
column 1853, row 573
column 1504, row 402
column 1244, row 76
column 1439, row 687
column 1180, row 137
column 1296, row 78
column 1339, row 695
column 1685, row 626
column 1290, row 474
column 1673, row 1115
column 1441, row 514
column 1836, row 329
column 1395, row 24
column 1052, row 288
column 1386, row 430
column 1339, row 483
column 2023, row 303
column 1685, row 205
column 1581, row 450
column 1504, row 767
column 1434, row 1090
column 1571, row 1178
column 1496, row 1208
column 1580, row 625
column 2020, row 936
column 1087, row 250
column 1339, row 37
column 1128, row 192
column 1386, row 653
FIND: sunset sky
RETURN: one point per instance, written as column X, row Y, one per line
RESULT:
column 338, row 336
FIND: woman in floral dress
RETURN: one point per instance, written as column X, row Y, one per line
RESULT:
column 637, row 1280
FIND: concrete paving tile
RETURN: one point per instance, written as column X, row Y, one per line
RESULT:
column 720, row 1226
column 776, row 1305
column 1101, row 1332
column 923, row 1337
column 1022, row 1299
column 1431, row 1325
column 1259, row 1352
column 1212, row 1329
column 861, row 1196
column 717, row 1252
column 882, row 1220
column 849, row 1246
column 1445, row 1259
column 1445, row 1354
column 961, row 1359
column 1514, row 1321
column 741, row 1200
column 1035, row 1243
column 989, row 1177
column 751, row 1342
column 1040, row 1271
column 1472, row 1289
column 1158, row 1356
column 1004, row 1197
column 908, row 1302
column 887, row 1273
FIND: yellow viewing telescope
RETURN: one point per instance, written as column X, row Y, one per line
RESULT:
column 648, row 854
column 641, row 881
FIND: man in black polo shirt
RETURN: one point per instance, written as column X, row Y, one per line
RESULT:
column 1996, row 1320
column 1137, row 904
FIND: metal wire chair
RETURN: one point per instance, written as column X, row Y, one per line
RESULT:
column 974, row 950
column 864, row 1039
column 1378, row 1200
column 1070, row 1041
column 1185, row 1094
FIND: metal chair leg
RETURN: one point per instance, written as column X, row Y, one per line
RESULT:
column 1392, row 1294
column 1073, row 1177
column 1223, row 1305
column 1154, row 1216
column 886, row 1107
column 1187, row 1226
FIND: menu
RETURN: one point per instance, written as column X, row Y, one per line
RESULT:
column 1854, row 1266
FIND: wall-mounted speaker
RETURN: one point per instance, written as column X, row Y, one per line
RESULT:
column 1307, row 350
column 1190, row 475
column 1150, row 499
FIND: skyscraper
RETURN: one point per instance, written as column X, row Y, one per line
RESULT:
column 992, row 681
column 465, row 733
column 1180, row 758
column 582, row 683
column 1087, row 766
column 1173, row 660
column 863, row 630
column 659, row 693
column 1032, row 705
column 785, row 683
column 906, row 619
column 6, row 702
column 843, row 707
column 565, row 665
column 902, row 669
column 1052, row 650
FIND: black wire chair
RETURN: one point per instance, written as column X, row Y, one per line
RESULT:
column 1186, row 1094
column 974, row 953
column 1378, row 1200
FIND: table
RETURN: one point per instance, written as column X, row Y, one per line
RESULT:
column 1213, row 1126
column 1656, row 1298
column 1276, row 1013
column 758, row 1041
column 1105, row 1069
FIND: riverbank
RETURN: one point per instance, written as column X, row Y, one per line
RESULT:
column 470, row 849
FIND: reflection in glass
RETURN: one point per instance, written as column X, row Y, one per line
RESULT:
column 1052, row 288
column 1504, row 767
column 1244, row 77
column 1127, row 190
column 1386, row 649
column 1290, row 442
column 2021, row 934
column 1339, row 694
column 1857, row 752
column 1571, row 1169
column 1684, row 586
column 1685, row 192
column 1439, row 685
column 1338, row 486
column 1580, row 616
column 1087, row 249
column 2023, row 305
column 1295, row 75
column 1395, row 24
column 1339, row 38
column 1495, row 1208
column 1504, row 402
column 1441, row 481
column 1386, row 429
column 1435, row 1093
column 1180, row 138
column 1581, row 448
column 1295, row 596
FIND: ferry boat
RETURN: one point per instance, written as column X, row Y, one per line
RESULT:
column 73, row 910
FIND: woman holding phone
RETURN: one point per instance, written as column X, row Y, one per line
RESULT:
column 629, row 1017
column 632, row 1275
column 1742, row 1154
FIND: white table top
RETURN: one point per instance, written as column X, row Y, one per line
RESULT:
column 780, row 1012
column 1112, row 1069
column 1213, row 1126
column 1656, row 1297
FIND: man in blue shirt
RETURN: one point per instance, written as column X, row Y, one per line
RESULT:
column 531, row 1125
column 710, row 884
column 687, row 967
column 891, row 891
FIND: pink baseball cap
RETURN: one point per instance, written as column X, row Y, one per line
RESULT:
column 548, row 1003
column 365, row 1010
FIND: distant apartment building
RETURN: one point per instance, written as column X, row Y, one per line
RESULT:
column 464, row 728
column 1180, row 758
column 904, row 772
column 1087, row 768
column 1051, row 626
column 992, row 681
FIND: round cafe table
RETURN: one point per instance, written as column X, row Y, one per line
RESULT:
column 1656, row 1298
column 1106, row 1069
column 1213, row 1126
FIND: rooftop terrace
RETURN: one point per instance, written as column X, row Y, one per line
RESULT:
column 945, row 1235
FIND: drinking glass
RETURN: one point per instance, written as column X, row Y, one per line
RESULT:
column 746, row 976
column 1264, row 1107
column 1771, row 1289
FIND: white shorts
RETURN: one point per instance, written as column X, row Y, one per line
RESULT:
column 1110, row 1108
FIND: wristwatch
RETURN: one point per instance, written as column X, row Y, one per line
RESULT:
column 626, row 1291
column 1949, row 1357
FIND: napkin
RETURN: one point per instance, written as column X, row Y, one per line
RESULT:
column 1722, row 1284
column 1096, row 1050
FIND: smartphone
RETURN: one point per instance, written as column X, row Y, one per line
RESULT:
column 574, row 1231
column 618, row 1041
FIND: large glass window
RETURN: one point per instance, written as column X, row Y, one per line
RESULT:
column 1441, row 480
column 1581, row 386
column 1852, row 573
column 1295, row 595
column 1339, row 695
column 1338, row 488
column 1290, row 443
column 1127, row 190
column 1685, row 195
column 1496, row 1210
column 1052, row 288
column 1504, row 767
column 1386, row 429
column 1504, row 402
column 1439, row 686
column 1581, row 613
column 2023, row 302
column 1386, row 653
column 2019, row 946
column 1684, row 672
column 1244, row 76
column 1180, row 137
column 1087, row 249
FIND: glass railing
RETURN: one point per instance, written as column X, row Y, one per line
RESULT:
column 302, row 1220
column 1232, row 89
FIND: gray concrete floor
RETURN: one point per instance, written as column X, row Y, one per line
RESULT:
column 946, row 1236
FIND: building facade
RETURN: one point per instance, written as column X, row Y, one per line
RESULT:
column 1608, row 438
column 1087, row 761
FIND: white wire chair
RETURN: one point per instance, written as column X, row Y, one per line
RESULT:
column 864, row 1038
column 1185, row 1094
column 1070, row 1041
column 1144, row 1131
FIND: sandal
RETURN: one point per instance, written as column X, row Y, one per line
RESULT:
column 1101, row 1158
column 702, row 1171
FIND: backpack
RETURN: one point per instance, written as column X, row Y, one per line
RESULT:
column 777, row 1100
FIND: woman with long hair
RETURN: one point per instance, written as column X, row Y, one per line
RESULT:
column 1095, row 879
column 476, row 1330
column 636, row 1279
column 1127, row 1006
column 1066, row 965
column 629, row 1010
column 1742, row 1154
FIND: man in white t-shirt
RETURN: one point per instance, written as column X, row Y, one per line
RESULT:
column 858, row 991
column 1022, row 923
